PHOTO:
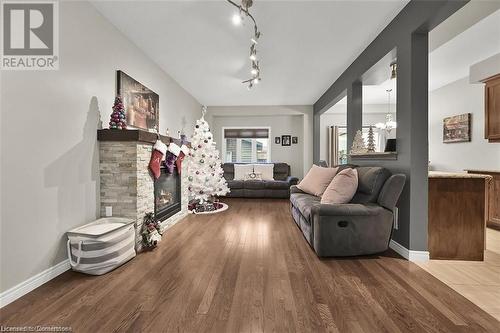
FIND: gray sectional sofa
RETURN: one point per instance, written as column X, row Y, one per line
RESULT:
column 361, row 227
column 277, row 188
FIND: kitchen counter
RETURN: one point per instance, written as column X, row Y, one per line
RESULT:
column 442, row 174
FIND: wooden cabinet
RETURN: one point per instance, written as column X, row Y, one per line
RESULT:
column 457, row 216
column 492, row 109
column 493, row 219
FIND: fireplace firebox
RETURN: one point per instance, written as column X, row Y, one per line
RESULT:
column 167, row 194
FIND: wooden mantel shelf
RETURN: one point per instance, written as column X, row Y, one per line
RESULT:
column 132, row 135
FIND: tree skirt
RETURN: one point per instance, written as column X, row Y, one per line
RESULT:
column 220, row 207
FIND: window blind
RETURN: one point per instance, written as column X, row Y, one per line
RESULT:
column 248, row 133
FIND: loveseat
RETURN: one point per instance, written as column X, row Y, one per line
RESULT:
column 361, row 227
column 277, row 188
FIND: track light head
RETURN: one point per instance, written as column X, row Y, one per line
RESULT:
column 237, row 19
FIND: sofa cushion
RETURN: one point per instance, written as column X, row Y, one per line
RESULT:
column 277, row 185
column 235, row 184
column 370, row 182
column 304, row 203
column 281, row 171
column 317, row 180
column 342, row 188
column 254, row 184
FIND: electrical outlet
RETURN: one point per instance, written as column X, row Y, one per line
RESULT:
column 396, row 218
column 109, row 211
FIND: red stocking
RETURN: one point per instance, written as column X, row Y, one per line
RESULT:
column 178, row 162
column 157, row 155
column 184, row 151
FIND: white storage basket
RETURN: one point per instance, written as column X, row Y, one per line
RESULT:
column 101, row 246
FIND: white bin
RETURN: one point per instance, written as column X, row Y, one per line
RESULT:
column 101, row 246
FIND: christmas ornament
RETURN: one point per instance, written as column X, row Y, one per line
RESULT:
column 204, row 172
column 358, row 144
column 157, row 155
column 117, row 118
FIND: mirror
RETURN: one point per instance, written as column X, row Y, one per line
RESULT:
column 379, row 105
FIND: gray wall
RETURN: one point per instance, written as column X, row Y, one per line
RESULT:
column 49, row 164
column 408, row 32
column 456, row 98
column 283, row 120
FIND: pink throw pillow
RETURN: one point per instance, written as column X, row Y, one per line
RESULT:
column 342, row 188
column 317, row 180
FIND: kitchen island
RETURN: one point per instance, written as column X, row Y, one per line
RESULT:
column 458, row 209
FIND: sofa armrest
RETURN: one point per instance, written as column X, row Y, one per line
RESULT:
column 295, row 189
column 292, row 180
column 346, row 210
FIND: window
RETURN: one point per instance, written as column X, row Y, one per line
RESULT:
column 246, row 145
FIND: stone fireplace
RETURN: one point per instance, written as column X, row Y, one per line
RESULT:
column 126, row 184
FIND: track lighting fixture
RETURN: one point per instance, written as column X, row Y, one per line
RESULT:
column 238, row 19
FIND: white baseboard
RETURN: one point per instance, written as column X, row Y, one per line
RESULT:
column 410, row 255
column 33, row 282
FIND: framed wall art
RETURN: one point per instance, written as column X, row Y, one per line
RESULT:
column 141, row 104
column 457, row 128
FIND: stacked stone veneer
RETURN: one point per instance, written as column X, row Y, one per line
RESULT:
column 126, row 184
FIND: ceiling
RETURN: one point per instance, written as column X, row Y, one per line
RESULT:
column 305, row 45
column 452, row 60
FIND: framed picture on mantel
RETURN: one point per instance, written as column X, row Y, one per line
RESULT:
column 457, row 128
column 141, row 104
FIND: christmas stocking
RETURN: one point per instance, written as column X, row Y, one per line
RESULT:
column 180, row 158
column 159, row 151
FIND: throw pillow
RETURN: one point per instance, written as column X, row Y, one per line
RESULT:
column 266, row 170
column 253, row 176
column 317, row 180
column 240, row 170
column 342, row 188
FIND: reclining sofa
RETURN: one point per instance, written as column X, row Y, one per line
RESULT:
column 277, row 188
column 361, row 227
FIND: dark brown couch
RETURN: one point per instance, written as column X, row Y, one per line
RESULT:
column 277, row 188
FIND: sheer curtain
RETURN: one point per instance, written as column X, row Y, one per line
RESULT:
column 333, row 145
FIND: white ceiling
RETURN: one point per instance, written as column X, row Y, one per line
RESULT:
column 452, row 60
column 305, row 45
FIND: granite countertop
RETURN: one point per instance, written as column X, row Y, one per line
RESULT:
column 441, row 174
column 483, row 170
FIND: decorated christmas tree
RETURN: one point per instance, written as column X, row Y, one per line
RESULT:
column 205, row 177
column 358, row 144
column 371, row 140
column 117, row 119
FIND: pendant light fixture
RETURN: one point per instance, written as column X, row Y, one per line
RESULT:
column 238, row 19
column 389, row 124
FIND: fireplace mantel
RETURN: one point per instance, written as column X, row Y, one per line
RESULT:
column 133, row 135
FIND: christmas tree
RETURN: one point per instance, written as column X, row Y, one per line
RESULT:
column 358, row 144
column 371, row 140
column 204, row 173
column 117, row 119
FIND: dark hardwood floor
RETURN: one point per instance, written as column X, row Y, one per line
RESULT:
column 249, row 269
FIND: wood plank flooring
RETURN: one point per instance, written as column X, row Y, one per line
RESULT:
column 478, row 281
column 249, row 269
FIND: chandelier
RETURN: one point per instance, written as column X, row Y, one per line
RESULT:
column 389, row 124
column 238, row 18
